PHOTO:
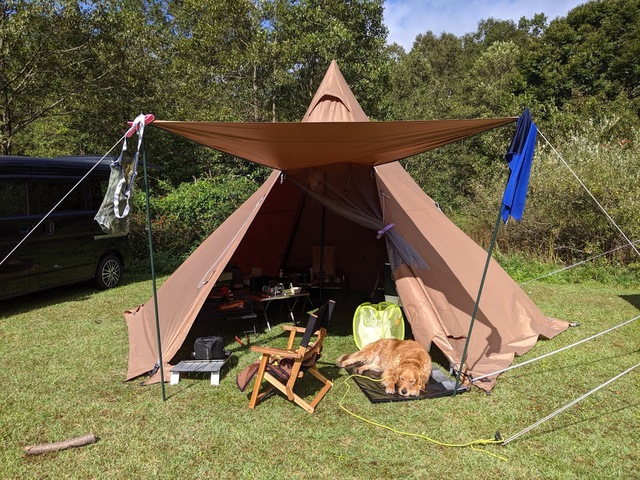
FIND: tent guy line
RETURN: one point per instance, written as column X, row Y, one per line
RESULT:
column 512, row 367
column 560, row 410
column 581, row 262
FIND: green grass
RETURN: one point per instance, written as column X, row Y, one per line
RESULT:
column 64, row 358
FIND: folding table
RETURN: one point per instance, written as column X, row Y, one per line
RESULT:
column 291, row 301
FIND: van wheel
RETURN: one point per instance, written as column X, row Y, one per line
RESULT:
column 109, row 272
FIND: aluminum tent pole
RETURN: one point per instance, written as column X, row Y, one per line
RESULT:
column 519, row 157
column 475, row 307
column 153, row 273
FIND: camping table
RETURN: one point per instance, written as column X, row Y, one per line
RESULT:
column 198, row 366
column 291, row 301
column 242, row 313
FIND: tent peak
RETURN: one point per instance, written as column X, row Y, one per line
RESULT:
column 334, row 101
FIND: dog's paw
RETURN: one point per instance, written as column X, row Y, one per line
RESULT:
column 390, row 389
column 340, row 360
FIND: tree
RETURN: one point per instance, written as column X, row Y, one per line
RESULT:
column 307, row 34
column 97, row 65
column 494, row 80
column 585, row 66
column 427, row 82
column 43, row 47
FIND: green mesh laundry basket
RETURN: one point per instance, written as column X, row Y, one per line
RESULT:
column 372, row 322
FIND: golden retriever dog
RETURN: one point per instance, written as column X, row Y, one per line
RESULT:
column 405, row 364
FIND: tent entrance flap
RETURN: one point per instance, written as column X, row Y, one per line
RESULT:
column 348, row 190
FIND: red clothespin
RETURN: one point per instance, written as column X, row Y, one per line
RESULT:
column 138, row 122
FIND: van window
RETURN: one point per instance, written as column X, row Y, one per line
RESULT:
column 97, row 189
column 13, row 198
column 49, row 192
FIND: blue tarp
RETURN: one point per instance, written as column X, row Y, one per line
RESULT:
column 519, row 156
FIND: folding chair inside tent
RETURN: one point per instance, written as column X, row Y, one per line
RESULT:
column 282, row 368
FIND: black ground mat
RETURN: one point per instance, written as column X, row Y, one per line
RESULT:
column 439, row 385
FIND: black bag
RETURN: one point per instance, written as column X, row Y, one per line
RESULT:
column 209, row 348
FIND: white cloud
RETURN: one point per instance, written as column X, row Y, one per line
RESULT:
column 408, row 18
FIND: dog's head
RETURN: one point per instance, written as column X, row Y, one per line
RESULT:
column 409, row 380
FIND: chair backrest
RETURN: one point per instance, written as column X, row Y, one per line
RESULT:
column 311, row 327
column 318, row 320
column 309, row 354
column 324, row 314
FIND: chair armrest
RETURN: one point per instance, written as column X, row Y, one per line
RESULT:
column 296, row 329
column 278, row 352
column 293, row 331
column 290, row 328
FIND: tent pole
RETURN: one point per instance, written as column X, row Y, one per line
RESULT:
column 294, row 230
column 475, row 307
column 153, row 273
column 322, row 227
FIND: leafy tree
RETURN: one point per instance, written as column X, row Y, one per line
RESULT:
column 43, row 54
column 493, row 81
column 427, row 82
column 209, row 62
column 105, row 73
column 128, row 42
column 585, row 66
column 493, row 30
column 308, row 34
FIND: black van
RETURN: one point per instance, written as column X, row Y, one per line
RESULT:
column 69, row 246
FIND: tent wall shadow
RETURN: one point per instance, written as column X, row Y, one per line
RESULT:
column 632, row 299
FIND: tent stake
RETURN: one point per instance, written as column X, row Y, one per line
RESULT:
column 475, row 307
column 153, row 273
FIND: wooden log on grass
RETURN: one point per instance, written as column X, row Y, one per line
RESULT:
column 53, row 447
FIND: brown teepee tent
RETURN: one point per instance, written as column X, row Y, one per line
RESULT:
column 337, row 160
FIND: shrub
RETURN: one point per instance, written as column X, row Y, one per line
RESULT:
column 183, row 217
column 561, row 222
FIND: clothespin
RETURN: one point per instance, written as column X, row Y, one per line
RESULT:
column 140, row 121
column 381, row 232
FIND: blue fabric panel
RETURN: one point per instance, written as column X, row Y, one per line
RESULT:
column 519, row 156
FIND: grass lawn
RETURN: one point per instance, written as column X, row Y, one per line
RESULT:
column 64, row 358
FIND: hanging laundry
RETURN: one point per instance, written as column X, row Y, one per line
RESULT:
column 113, row 214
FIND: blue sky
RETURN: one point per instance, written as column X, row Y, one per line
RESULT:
column 408, row 18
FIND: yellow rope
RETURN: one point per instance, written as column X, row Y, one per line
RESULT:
column 471, row 444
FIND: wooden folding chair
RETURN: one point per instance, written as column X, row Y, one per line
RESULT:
column 281, row 368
